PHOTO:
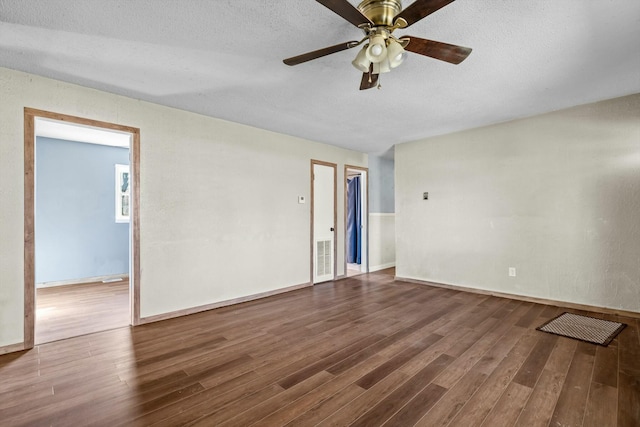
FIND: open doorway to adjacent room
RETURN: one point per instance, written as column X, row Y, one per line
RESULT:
column 356, row 220
column 82, row 230
column 80, row 242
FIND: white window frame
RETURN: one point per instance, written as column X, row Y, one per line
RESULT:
column 122, row 197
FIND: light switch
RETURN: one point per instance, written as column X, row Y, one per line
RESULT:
column 425, row 195
column 301, row 200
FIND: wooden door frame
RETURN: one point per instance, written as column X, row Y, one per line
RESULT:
column 30, row 116
column 335, row 216
column 362, row 169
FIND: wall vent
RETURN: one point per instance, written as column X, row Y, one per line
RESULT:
column 324, row 261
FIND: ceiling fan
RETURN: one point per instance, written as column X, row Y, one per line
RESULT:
column 382, row 51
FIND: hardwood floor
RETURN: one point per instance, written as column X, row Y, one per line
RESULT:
column 364, row 351
column 73, row 310
column 353, row 270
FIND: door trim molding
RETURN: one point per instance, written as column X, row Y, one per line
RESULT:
column 335, row 216
column 362, row 169
column 30, row 115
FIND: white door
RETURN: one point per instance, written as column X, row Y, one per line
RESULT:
column 323, row 222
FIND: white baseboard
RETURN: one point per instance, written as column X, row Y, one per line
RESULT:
column 111, row 277
column 381, row 266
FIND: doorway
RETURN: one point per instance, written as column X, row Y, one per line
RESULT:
column 323, row 221
column 356, row 220
column 127, row 291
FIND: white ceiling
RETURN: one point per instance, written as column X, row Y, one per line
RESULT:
column 223, row 58
column 79, row 133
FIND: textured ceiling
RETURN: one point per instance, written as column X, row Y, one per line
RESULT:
column 223, row 58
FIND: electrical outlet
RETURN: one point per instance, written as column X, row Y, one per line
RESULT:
column 512, row 272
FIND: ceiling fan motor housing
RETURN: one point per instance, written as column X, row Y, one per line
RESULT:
column 380, row 12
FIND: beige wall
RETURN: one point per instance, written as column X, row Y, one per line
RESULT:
column 556, row 196
column 382, row 241
column 219, row 212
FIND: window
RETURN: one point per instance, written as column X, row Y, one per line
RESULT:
column 123, row 188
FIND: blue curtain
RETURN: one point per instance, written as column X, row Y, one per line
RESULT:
column 354, row 221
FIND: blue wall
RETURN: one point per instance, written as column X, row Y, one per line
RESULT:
column 76, row 233
column 381, row 184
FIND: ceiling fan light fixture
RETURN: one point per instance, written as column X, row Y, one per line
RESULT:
column 361, row 62
column 381, row 67
column 377, row 50
column 395, row 53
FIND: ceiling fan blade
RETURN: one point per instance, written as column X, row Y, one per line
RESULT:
column 369, row 79
column 347, row 11
column 295, row 60
column 421, row 8
column 438, row 50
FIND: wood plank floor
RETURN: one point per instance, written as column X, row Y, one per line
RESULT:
column 364, row 351
column 73, row 310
